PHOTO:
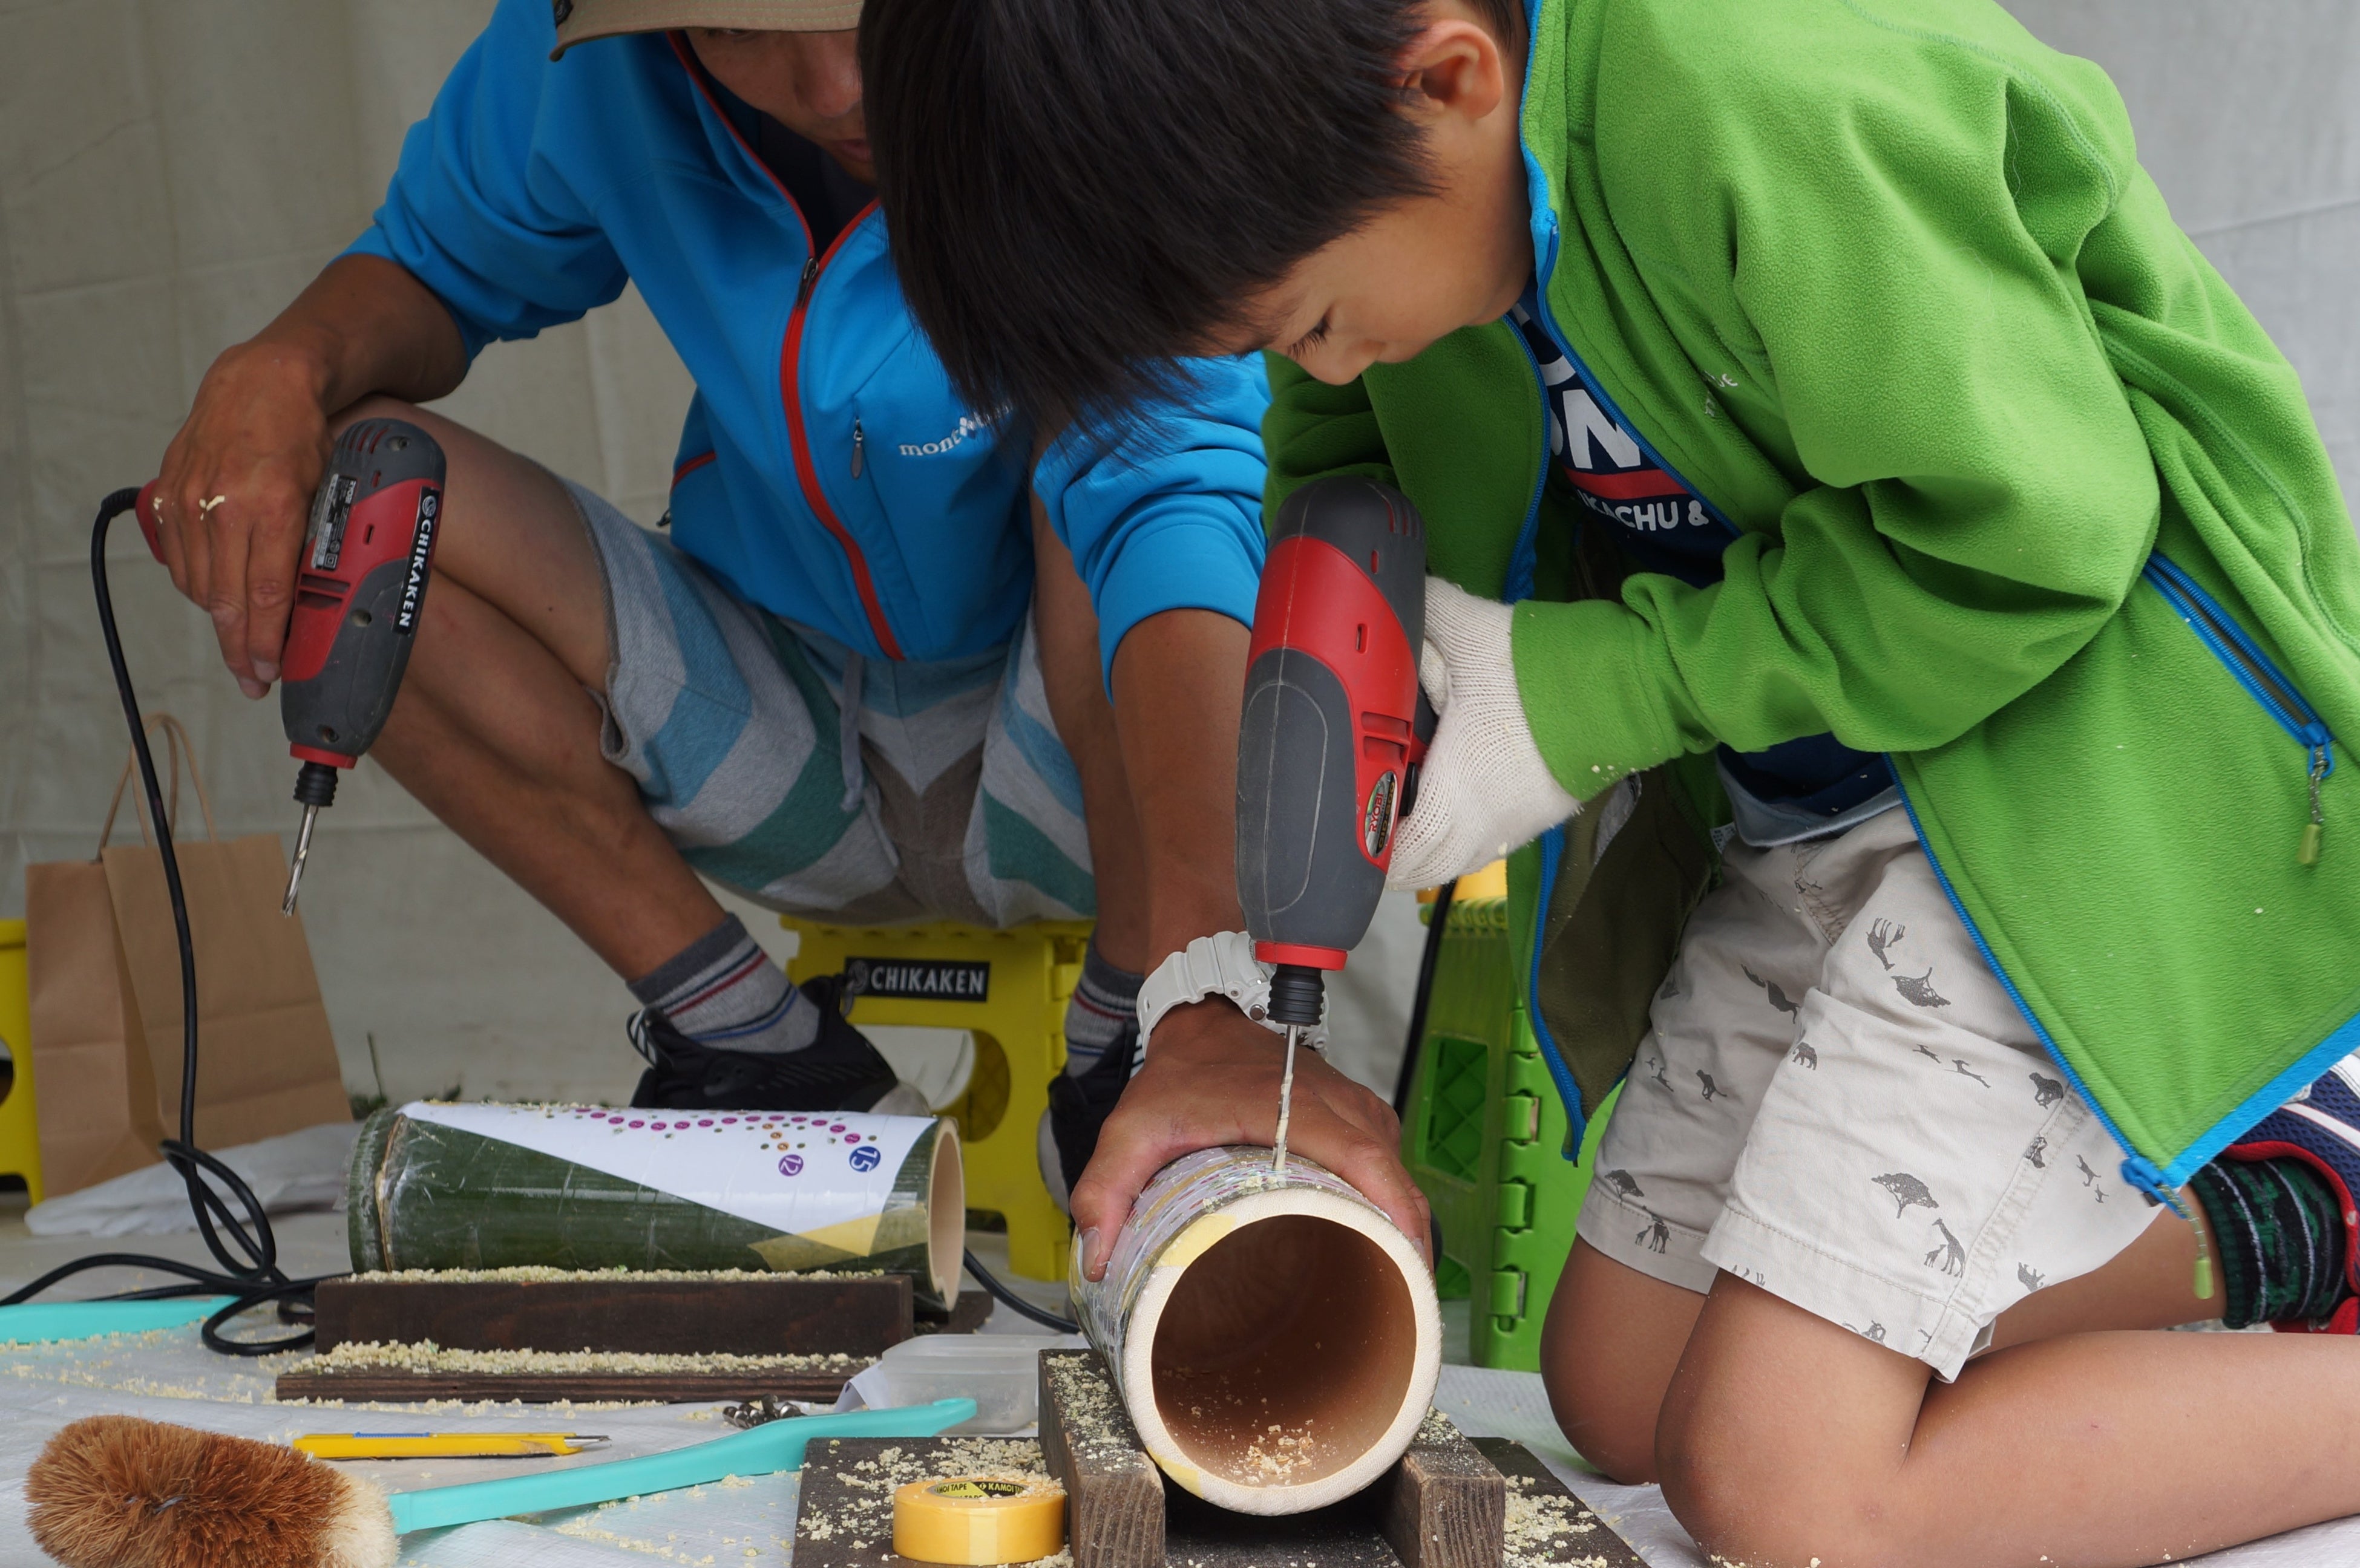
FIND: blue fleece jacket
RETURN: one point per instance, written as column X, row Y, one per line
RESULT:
column 827, row 471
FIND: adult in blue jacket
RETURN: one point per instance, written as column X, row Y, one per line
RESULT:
column 894, row 658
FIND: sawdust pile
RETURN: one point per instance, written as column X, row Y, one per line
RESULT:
column 1541, row 1526
column 426, row 1356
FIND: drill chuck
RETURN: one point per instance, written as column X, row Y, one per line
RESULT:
column 316, row 785
column 1296, row 992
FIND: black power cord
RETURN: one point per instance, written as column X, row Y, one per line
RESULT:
column 1016, row 1303
column 249, row 1275
column 1437, row 916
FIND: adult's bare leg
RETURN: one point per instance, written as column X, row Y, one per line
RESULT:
column 494, row 731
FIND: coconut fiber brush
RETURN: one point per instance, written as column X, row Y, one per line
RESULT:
column 119, row 1492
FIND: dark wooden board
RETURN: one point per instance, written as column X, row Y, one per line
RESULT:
column 393, row 1385
column 843, row 1518
column 1587, row 1538
column 965, row 1316
column 786, row 1316
column 1444, row 1505
column 1114, row 1493
column 846, row 1519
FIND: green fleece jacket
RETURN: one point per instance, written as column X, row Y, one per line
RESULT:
column 2028, row 501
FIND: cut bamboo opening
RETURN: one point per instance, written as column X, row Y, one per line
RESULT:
column 1276, row 1341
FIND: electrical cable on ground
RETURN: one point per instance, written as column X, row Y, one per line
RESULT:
column 1016, row 1303
column 251, row 1276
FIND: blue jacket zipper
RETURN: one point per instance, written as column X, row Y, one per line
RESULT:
column 2262, row 679
column 2277, row 696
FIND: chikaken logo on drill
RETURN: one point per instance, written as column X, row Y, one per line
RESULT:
column 1377, row 817
column 942, row 979
column 422, row 548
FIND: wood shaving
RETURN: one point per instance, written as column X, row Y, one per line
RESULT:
column 1541, row 1526
column 539, row 1273
column 426, row 1356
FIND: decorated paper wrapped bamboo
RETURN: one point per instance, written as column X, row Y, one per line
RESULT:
column 487, row 1186
column 1276, row 1339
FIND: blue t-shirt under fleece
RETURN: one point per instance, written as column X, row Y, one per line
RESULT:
column 1802, row 789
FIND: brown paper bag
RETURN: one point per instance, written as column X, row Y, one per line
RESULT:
column 105, row 982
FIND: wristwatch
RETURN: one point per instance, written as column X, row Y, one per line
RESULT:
column 1222, row 964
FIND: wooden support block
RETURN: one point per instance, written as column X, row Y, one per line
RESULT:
column 1114, row 1493
column 1547, row 1525
column 1444, row 1505
column 394, row 1385
column 857, row 1315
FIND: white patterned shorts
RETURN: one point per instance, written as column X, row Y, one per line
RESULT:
column 1838, row 1102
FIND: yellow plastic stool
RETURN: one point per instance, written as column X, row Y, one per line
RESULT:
column 20, row 1147
column 1010, row 989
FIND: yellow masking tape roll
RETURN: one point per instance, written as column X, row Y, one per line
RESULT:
column 978, row 1520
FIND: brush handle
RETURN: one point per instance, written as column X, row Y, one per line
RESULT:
column 772, row 1446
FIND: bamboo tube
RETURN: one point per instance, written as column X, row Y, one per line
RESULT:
column 487, row 1186
column 1275, row 1339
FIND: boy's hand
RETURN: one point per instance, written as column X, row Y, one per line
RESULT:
column 1211, row 1078
column 1484, row 790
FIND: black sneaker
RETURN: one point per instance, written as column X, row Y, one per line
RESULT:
column 839, row 1071
column 1079, row 1108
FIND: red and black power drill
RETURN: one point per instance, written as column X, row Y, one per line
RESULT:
column 1334, row 730
column 360, row 585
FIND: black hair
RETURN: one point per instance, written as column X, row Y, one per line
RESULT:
column 1080, row 192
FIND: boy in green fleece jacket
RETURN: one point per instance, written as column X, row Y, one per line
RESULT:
column 1898, row 598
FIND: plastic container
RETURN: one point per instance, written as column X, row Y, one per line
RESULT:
column 1001, row 1372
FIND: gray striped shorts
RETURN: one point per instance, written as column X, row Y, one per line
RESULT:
column 825, row 784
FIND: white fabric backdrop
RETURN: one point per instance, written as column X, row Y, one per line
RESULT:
column 171, row 173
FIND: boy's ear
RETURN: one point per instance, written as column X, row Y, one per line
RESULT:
column 1455, row 67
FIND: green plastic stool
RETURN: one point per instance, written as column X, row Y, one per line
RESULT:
column 1484, row 1138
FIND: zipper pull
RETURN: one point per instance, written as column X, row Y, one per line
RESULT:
column 2315, row 829
column 2203, row 1280
column 803, row 288
column 860, row 442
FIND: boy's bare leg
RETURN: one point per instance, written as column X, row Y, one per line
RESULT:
column 1614, row 1336
column 1788, row 1440
column 494, row 731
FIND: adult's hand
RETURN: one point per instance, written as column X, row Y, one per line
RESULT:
column 234, row 491
column 1211, row 1078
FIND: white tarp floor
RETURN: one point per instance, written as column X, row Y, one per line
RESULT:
column 169, row 1376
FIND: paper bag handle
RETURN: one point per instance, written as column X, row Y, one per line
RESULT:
column 177, row 747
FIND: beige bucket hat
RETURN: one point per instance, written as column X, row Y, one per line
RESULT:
column 578, row 21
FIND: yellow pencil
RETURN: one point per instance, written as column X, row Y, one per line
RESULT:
column 442, row 1444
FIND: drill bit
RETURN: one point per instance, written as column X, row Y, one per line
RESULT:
column 1285, row 1102
column 302, row 853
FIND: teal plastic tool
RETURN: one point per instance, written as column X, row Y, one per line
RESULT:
column 40, row 1323
column 772, row 1446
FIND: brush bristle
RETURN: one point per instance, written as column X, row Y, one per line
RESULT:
column 119, row 1492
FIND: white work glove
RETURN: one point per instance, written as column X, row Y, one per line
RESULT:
column 1484, row 790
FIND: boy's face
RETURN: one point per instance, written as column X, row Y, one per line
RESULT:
column 1430, row 265
column 809, row 82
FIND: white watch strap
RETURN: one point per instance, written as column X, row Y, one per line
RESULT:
column 1222, row 964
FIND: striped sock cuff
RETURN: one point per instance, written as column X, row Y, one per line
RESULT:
column 1103, row 1011
column 2278, row 1232
column 723, row 991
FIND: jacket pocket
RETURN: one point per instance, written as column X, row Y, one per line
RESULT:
column 2262, row 680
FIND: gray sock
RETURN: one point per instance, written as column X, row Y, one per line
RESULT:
column 724, row 992
column 1103, row 1011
